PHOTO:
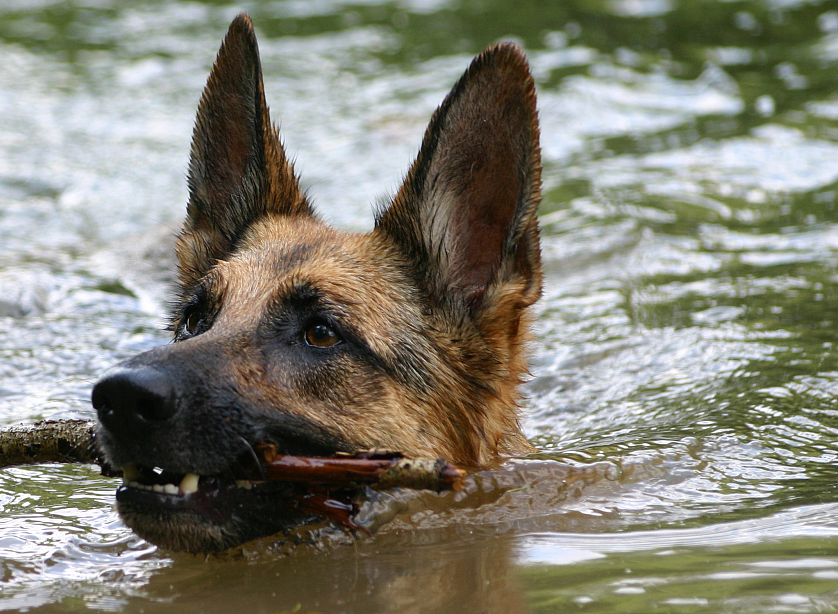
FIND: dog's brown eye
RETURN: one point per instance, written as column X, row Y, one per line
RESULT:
column 193, row 320
column 321, row 336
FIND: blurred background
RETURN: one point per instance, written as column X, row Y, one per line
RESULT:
column 684, row 370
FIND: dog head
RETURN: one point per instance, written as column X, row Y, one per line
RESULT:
column 286, row 331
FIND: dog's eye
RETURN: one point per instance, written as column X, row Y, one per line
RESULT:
column 321, row 336
column 193, row 321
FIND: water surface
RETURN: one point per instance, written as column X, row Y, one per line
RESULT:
column 685, row 369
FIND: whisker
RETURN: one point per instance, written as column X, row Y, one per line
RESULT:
column 254, row 456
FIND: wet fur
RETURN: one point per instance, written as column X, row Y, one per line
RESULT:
column 431, row 306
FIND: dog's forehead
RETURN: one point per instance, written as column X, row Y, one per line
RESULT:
column 280, row 255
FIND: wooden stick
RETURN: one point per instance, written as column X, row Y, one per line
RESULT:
column 74, row 441
column 381, row 473
column 49, row 441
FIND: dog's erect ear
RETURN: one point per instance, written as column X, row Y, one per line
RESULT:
column 237, row 169
column 466, row 214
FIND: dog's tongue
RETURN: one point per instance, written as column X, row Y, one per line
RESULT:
column 326, row 507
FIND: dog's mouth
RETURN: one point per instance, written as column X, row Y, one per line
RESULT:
column 181, row 486
column 164, row 487
column 210, row 513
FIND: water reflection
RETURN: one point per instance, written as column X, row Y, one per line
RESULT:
column 727, row 567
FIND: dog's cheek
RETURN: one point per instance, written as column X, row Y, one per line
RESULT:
column 343, row 385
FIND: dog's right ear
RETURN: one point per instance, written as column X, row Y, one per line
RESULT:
column 238, row 171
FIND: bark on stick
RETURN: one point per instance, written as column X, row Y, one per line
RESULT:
column 49, row 441
column 382, row 473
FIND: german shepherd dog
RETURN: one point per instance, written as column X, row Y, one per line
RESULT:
column 410, row 338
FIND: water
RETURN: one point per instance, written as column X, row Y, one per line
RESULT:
column 685, row 370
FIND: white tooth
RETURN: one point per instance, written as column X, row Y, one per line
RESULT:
column 170, row 489
column 189, row 483
column 130, row 473
column 158, row 488
column 244, row 484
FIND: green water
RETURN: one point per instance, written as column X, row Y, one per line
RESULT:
column 685, row 367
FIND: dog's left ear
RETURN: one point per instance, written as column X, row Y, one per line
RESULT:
column 466, row 215
column 238, row 171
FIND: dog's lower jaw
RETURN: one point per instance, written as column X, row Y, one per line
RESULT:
column 180, row 533
column 208, row 521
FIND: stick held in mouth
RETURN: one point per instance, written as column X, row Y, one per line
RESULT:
column 74, row 441
column 378, row 469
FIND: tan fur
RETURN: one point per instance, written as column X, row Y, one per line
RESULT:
column 471, row 197
column 361, row 274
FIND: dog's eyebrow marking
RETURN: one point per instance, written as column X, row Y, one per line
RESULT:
column 208, row 293
column 304, row 298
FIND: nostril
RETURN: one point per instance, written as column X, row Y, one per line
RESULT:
column 99, row 398
column 102, row 398
column 128, row 397
column 152, row 407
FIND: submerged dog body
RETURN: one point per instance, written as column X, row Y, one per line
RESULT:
column 409, row 338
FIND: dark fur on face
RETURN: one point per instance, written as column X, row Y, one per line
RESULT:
column 409, row 338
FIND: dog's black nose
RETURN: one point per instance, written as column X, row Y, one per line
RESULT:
column 133, row 397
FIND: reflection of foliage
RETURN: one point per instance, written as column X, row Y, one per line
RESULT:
column 689, row 33
column 686, row 32
column 798, row 298
column 666, row 575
